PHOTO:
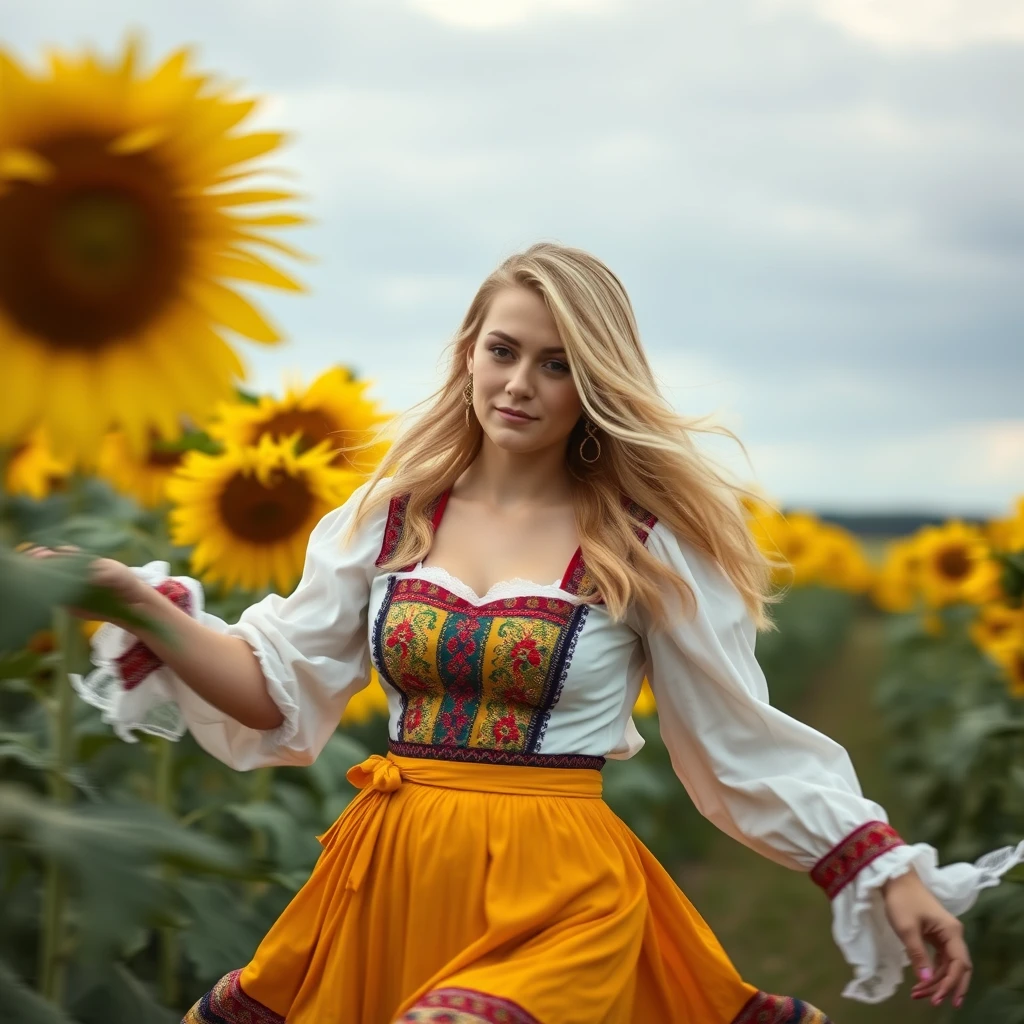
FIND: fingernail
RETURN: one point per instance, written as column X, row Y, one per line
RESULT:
column 958, row 1001
column 925, row 974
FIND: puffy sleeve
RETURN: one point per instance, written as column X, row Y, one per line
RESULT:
column 779, row 786
column 311, row 645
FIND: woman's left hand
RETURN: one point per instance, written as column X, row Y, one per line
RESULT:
column 918, row 917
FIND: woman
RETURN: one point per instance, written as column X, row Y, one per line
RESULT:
column 542, row 538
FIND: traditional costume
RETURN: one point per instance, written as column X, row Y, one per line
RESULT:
column 479, row 876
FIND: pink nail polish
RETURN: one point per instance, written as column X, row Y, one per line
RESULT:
column 925, row 974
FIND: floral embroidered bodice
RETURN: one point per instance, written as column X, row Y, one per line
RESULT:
column 506, row 676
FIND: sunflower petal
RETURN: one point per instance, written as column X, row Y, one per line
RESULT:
column 228, row 308
column 250, row 268
column 25, row 165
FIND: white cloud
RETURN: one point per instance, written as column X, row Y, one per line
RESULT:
column 919, row 24
column 495, row 14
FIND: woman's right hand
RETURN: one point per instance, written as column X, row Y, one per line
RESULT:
column 108, row 573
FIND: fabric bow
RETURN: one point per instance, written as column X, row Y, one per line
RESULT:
column 377, row 773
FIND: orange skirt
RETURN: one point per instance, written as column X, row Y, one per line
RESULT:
column 481, row 893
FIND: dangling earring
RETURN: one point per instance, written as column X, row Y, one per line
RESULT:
column 467, row 397
column 591, row 436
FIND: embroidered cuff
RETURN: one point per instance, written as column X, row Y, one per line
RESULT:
column 139, row 661
column 851, row 855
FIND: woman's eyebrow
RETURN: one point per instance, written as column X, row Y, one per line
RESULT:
column 551, row 350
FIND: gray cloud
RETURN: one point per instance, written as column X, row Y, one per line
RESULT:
column 822, row 236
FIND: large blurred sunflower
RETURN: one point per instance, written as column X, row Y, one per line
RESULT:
column 143, row 477
column 249, row 511
column 33, row 469
column 117, row 235
column 334, row 408
column 956, row 565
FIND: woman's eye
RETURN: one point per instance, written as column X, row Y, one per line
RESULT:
column 561, row 367
column 498, row 349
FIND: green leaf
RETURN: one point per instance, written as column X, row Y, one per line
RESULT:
column 32, row 588
column 111, row 852
column 19, row 1003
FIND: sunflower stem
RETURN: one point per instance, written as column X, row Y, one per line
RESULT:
column 53, row 943
column 263, row 782
column 168, row 969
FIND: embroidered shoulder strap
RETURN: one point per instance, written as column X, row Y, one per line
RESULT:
column 577, row 579
column 395, row 525
column 644, row 520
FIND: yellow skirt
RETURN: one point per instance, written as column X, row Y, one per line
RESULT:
column 481, row 893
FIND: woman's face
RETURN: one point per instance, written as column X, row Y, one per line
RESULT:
column 518, row 364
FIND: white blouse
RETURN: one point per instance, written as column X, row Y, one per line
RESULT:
column 529, row 674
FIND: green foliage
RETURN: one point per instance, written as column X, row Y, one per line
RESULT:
column 957, row 748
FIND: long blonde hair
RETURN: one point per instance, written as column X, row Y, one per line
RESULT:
column 647, row 450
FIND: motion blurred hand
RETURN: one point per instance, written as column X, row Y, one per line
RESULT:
column 918, row 918
column 103, row 572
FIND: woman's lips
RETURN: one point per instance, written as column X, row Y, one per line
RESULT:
column 514, row 417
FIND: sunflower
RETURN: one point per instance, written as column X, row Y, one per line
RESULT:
column 367, row 704
column 120, row 224
column 797, row 538
column 843, row 564
column 645, row 703
column 144, row 477
column 1007, row 534
column 33, row 469
column 249, row 511
column 997, row 625
column 897, row 584
column 956, row 565
column 1011, row 659
column 334, row 408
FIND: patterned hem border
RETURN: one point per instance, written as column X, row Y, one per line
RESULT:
column 139, row 661
column 465, row 1006
column 226, row 1003
column 763, row 1008
column 484, row 755
column 851, row 855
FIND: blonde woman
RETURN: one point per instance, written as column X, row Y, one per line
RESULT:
column 542, row 537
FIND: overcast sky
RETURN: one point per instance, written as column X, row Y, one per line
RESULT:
column 817, row 206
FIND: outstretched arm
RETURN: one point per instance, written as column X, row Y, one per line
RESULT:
column 791, row 793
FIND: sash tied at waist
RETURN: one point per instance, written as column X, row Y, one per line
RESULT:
column 378, row 778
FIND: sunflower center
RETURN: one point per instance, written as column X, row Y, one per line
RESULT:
column 953, row 563
column 265, row 515
column 162, row 459
column 313, row 425
column 94, row 252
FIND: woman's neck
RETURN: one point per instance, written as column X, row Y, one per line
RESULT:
column 502, row 478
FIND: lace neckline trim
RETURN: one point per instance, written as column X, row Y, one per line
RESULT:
column 514, row 587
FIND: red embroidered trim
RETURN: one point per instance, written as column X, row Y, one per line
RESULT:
column 485, row 755
column 554, row 609
column 139, row 661
column 763, row 1008
column 395, row 524
column 645, row 520
column 465, row 1006
column 577, row 580
column 226, row 1003
column 854, row 853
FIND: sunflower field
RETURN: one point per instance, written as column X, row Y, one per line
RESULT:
column 135, row 211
